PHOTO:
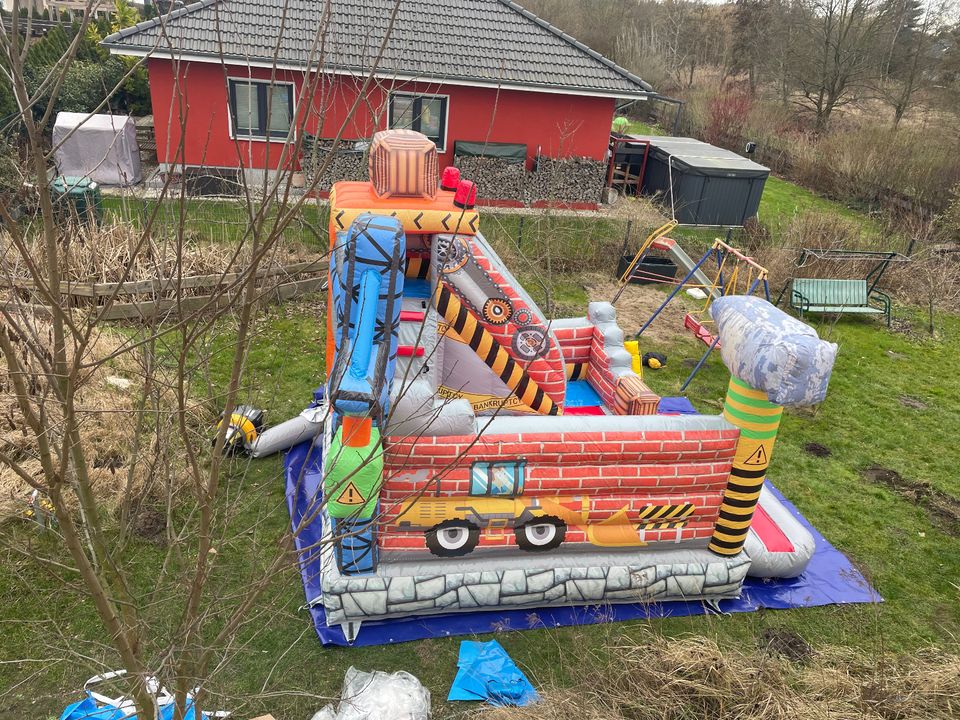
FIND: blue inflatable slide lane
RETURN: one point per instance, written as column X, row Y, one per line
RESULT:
column 367, row 273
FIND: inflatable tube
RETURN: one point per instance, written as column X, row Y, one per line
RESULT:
column 287, row 434
column 773, row 352
column 779, row 546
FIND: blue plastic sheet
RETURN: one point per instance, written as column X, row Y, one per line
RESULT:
column 487, row 672
column 830, row 579
column 675, row 406
column 89, row 709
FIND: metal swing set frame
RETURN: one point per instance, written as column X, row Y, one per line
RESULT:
column 734, row 271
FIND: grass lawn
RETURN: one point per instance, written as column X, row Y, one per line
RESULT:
column 912, row 558
column 892, row 403
column 641, row 128
column 783, row 200
column 217, row 220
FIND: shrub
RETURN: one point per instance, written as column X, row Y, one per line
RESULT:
column 727, row 119
column 85, row 85
column 950, row 220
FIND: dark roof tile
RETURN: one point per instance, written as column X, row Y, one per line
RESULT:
column 488, row 41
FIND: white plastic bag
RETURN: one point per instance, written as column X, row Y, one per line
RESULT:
column 379, row 696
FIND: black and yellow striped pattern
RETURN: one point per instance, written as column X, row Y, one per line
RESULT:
column 577, row 371
column 758, row 420
column 669, row 525
column 492, row 353
column 418, row 267
column 664, row 514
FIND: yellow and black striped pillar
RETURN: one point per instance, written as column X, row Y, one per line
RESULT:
column 758, row 420
column 492, row 353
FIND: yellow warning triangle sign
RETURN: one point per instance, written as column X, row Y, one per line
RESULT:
column 759, row 457
column 351, row 496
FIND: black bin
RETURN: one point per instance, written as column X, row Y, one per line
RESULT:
column 649, row 272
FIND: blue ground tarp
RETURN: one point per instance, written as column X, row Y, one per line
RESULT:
column 830, row 579
column 486, row 672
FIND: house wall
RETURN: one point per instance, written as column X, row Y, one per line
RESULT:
column 615, row 469
column 195, row 112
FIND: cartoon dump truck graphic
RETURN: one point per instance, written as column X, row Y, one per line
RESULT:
column 452, row 526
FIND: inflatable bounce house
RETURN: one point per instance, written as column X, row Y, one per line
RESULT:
column 470, row 454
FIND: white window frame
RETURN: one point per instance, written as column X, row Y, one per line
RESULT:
column 441, row 146
column 234, row 135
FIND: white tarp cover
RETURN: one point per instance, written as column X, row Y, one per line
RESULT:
column 101, row 147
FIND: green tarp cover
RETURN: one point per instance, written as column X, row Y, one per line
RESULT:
column 511, row 152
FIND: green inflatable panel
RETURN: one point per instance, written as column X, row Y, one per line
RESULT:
column 354, row 476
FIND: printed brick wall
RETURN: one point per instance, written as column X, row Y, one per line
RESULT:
column 575, row 343
column 615, row 470
column 601, row 376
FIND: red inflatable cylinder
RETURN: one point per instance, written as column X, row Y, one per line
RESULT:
column 466, row 196
column 450, row 178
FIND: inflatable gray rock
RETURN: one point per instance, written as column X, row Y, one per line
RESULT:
column 772, row 351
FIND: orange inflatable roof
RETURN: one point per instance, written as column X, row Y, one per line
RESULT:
column 418, row 215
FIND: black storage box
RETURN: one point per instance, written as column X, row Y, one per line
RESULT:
column 710, row 185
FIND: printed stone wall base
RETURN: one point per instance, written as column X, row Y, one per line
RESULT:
column 677, row 575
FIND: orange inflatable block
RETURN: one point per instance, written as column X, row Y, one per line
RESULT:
column 633, row 397
column 403, row 163
column 418, row 215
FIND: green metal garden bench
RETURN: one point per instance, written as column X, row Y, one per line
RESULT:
column 809, row 295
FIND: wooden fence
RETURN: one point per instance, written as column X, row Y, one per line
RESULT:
column 96, row 294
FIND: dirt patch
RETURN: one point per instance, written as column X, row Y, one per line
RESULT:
column 785, row 643
column 637, row 304
column 942, row 509
column 912, row 402
column 151, row 524
column 818, row 450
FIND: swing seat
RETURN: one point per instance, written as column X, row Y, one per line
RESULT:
column 838, row 296
column 699, row 330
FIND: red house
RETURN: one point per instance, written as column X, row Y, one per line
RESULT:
column 231, row 80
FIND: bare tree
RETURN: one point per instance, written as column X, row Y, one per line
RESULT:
column 907, row 59
column 834, row 53
column 53, row 353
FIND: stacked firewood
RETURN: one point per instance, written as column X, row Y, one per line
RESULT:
column 560, row 180
column 566, row 180
column 347, row 163
column 495, row 178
